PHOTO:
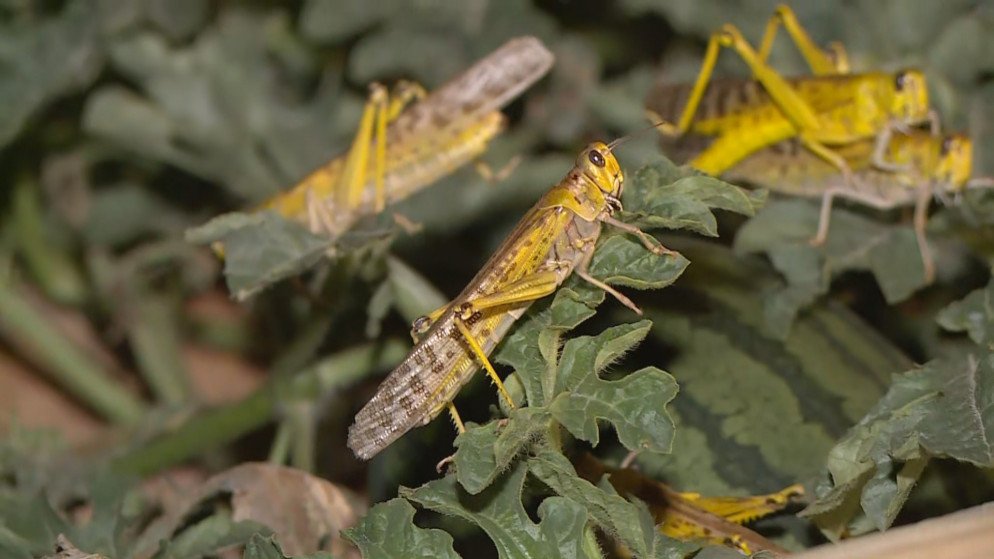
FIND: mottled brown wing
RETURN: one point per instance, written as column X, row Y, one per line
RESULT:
column 485, row 87
column 431, row 375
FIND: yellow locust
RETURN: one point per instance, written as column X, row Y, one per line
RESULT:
column 894, row 170
column 824, row 111
column 397, row 150
column 692, row 516
column 555, row 239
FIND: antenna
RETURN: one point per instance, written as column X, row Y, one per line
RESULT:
column 623, row 139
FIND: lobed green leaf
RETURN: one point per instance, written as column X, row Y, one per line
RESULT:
column 621, row 260
column 260, row 249
column 943, row 409
column 634, row 405
column 783, row 229
column 499, row 512
column 483, row 452
column 662, row 195
column 389, row 532
column 974, row 315
column 629, row 522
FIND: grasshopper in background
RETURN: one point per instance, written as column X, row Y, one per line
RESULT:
column 822, row 112
column 893, row 171
column 555, row 239
column 398, row 151
column 692, row 516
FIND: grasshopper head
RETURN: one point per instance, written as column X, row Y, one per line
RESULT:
column 910, row 97
column 600, row 166
column 955, row 161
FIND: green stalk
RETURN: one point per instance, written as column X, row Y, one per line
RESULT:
column 222, row 425
column 25, row 327
column 281, row 444
column 301, row 415
column 155, row 338
column 54, row 271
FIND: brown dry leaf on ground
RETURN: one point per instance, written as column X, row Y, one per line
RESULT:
column 171, row 489
column 303, row 511
column 64, row 549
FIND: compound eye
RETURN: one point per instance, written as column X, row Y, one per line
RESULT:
column 596, row 158
column 900, row 80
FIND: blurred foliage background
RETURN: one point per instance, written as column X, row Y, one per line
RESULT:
column 123, row 123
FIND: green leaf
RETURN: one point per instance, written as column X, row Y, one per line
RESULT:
column 621, row 260
column 330, row 21
column 260, row 547
column 41, row 62
column 155, row 335
column 13, row 545
column 429, row 56
column 629, row 522
column 635, row 405
column 264, row 547
column 944, row 409
column 974, row 315
column 125, row 212
column 535, row 342
column 30, row 524
column 214, row 109
column 211, row 535
column 662, row 195
column 389, row 532
column 260, row 249
column 178, row 19
column 484, row 451
column 499, row 512
column 783, row 230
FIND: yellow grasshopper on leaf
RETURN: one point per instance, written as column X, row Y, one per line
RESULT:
column 555, row 239
column 397, row 150
column 892, row 171
column 824, row 111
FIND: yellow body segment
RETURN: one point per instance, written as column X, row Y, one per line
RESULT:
column 691, row 516
column 686, row 516
column 892, row 171
column 744, row 118
column 823, row 112
column 397, row 150
column 911, row 160
column 556, row 238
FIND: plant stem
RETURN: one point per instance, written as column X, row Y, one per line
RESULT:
column 155, row 338
column 222, row 425
column 52, row 268
column 25, row 327
column 281, row 444
column 303, row 419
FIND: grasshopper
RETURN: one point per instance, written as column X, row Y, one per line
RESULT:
column 692, row 516
column 555, row 239
column 824, row 111
column 718, row 520
column 414, row 146
column 891, row 171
